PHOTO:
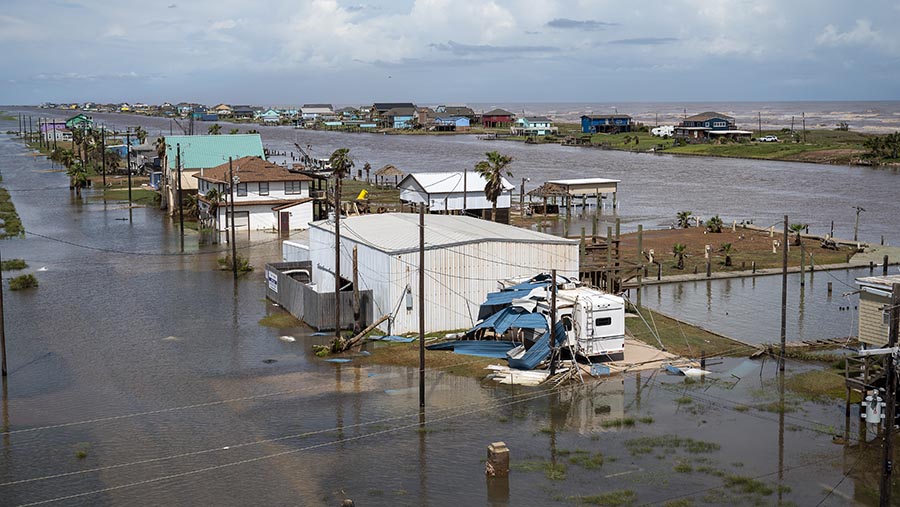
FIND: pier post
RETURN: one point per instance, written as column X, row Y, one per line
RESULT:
column 594, row 229
column 829, row 289
column 609, row 273
column 582, row 247
column 640, row 252
column 871, row 267
column 753, row 266
column 614, row 201
column 884, row 266
column 802, row 265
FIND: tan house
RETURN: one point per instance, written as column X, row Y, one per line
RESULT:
column 874, row 309
column 223, row 110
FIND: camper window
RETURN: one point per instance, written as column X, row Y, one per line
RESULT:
column 603, row 321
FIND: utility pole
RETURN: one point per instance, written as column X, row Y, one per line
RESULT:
column 784, row 266
column 465, row 193
column 337, row 258
column 759, row 124
column 859, row 210
column 422, row 306
column 128, row 168
column 102, row 157
column 890, row 394
column 180, row 200
column 233, row 244
column 2, row 324
column 522, row 198
column 356, row 310
column 804, row 126
column 553, row 351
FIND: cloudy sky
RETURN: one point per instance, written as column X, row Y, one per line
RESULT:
column 349, row 51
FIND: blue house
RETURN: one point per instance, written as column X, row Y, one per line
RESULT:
column 400, row 117
column 451, row 123
column 605, row 123
column 709, row 125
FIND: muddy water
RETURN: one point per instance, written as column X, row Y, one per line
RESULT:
column 180, row 397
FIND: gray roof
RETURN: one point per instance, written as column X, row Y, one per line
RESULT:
column 498, row 112
column 397, row 233
column 318, row 106
column 537, row 118
column 605, row 116
column 709, row 115
column 880, row 282
column 401, row 111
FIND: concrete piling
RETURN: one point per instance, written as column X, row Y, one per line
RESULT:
column 497, row 460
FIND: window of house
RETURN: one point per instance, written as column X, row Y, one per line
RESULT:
column 720, row 124
column 292, row 187
column 242, row 189
column 603, row 321
column 263, row 188
column 706, row 124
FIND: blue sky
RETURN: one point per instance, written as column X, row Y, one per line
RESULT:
column 354, row 51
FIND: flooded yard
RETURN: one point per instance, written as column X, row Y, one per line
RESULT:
column 141, row 375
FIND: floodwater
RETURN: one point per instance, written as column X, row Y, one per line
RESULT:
column 653, row 189
column 139, row 375
column 749, row 309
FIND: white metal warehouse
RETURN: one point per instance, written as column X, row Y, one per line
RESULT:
column 464, row 259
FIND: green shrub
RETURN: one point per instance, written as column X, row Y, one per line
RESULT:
column 243, row 263
column 23, row 282
column 13, row 264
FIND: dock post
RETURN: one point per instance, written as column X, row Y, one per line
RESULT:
column 871, row 267
column 829, row 289
column 802, row 265
column 884, row 266
column 609, row 273
column 594, row 229
column 753, row 266
column 614, row 201
column 658, row 271
column 582, row 247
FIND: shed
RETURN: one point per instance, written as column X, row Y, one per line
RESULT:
column 587, row 187
column 464, row 259
column 388, row 171
column 874, row 309
column 459, row 191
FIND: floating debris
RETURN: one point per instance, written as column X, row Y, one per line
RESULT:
column 269, row 361
column 393, row 338
column 338, row 360
column 171, row 339
column 288, row 339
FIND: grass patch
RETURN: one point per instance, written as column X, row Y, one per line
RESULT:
column 646, row 420
column 587, row 461
column 627, row 422
column 618, row 498
column 646, row 445
column 138, row 196
column 684, row 400
column 683, row 467
column 243, row 263
column 13, row 264
column 407, row 355
column 22, row 282
column 817, row 385
column 279, row 320
column 747, row 485
column 681, row 502
column 553, row 472
column 776, row 408
column 680, row 338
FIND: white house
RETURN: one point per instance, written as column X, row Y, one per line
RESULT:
column 314, row 111
column 533, row 126
column 454, row 192
column 266, row 196
column 464, row 259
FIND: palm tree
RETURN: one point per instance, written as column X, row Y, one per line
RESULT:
column 797, row 229
column 714, row 224
column 141, row 134
column 192, row 206
column 234, row 131
column 727, row 249
column 678, row 249
column 493, row 170
column 341, row 163
column 160, row 145
column 253, row 131
column 77, row 177
column 215, row 129
column 684, row 220
column 367, row 168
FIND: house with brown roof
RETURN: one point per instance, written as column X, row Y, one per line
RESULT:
column 267, row 196
column 497, row 118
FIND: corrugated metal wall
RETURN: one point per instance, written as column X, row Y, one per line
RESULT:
column 872, row 329
column 456, row 282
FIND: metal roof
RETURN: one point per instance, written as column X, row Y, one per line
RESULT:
column 584, row 181
column 880, row 282
column 450, row 182
column 397, row 233
column 209, row 151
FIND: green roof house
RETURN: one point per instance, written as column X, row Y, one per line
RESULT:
column 199, row 153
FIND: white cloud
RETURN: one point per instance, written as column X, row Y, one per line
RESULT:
column 861, row 35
